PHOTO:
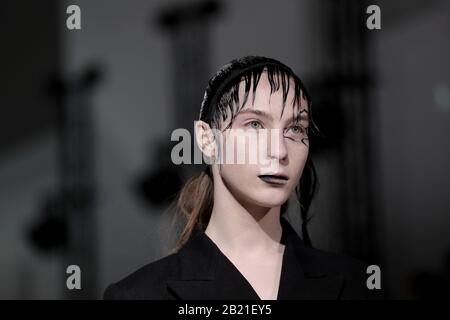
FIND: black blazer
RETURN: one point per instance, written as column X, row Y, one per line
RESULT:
column 199, row 270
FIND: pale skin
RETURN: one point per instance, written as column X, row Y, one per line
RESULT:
column 245, row 220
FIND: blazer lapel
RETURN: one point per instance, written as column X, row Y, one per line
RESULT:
column 205, row 273
column 302, row 275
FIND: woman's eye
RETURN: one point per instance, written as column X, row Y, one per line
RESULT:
column 296, row 133
column 297, row 129
column 254, row 125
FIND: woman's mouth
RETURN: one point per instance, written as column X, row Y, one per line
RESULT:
column 274, row 179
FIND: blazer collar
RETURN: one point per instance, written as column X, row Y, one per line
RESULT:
column 206, row 273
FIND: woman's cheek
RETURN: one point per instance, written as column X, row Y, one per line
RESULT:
column 302, row 155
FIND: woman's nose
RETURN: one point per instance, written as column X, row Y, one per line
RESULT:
column 277, row 145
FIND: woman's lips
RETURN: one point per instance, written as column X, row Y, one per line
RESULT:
column 273, row 179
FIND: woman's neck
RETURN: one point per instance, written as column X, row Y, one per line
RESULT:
column 243, row 229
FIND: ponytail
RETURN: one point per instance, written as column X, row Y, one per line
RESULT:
column 195, row 203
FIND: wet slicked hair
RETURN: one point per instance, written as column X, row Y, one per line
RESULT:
column 221, row 99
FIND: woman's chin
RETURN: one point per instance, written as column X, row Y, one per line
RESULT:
column 271, row 198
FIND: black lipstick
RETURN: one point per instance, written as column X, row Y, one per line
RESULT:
column 274, row 179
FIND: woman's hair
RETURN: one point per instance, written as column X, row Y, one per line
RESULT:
column 195, row 200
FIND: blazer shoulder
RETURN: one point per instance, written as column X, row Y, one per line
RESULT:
column 148, row 282
column 355, row 272
column 336, row 263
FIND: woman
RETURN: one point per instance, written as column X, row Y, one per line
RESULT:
column 236, row 243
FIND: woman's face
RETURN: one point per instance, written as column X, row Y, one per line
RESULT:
column 261, row 143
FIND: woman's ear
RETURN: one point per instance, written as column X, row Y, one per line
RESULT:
column 205, row 139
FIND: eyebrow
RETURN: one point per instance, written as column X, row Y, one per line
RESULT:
column 303, row 114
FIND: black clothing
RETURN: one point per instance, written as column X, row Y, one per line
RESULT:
column 199, row 270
